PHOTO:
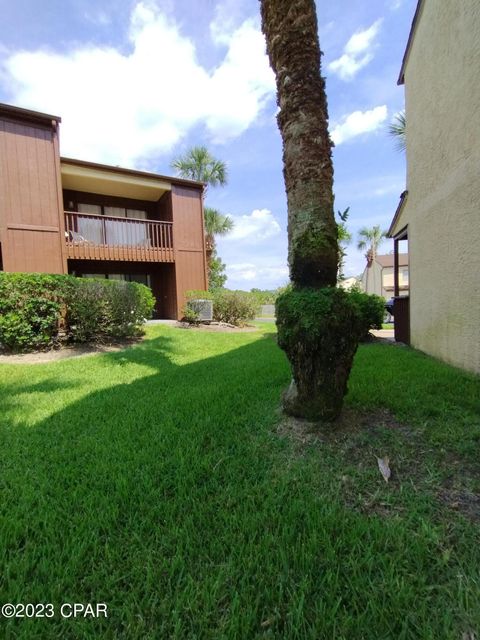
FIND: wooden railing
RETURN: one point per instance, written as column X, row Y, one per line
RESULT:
column 94, row 237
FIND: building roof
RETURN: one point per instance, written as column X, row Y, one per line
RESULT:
column 387, row 260
column 34, row 117
column 416, row 17
column 132, row 172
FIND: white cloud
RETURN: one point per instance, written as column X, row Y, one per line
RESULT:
column 396, row 4
column 255, row 251
column 357, row 53
column 228, row 16
column 252, row 275
column 254, row 227
column 121, row 107
column 357, row 123
column 98, row 17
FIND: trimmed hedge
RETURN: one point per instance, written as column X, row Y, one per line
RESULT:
column 39, row 311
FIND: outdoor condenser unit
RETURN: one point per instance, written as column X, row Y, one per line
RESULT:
column 204, row 309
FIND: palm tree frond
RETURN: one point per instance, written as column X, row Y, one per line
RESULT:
column 216, row 223
column 370, row 238
column 198, row 164
column 397, row 129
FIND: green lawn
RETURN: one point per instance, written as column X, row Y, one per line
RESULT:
column 156, row 480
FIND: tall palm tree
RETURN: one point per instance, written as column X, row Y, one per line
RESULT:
column 313, row 317
column 370, row 239
column 397, row 129
column 198, row 164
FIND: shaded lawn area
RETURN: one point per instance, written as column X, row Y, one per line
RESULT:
column 157, row 480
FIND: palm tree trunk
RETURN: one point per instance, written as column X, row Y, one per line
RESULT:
column 290, row 27
column 317, row 324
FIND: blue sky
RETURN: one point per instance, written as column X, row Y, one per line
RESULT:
column 138, row 82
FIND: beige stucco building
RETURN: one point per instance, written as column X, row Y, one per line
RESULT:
column 439, row 214
column 378, row 275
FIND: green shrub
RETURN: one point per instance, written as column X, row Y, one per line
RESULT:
column 31, row 310
column 190, row 315
column 371, row 308
column 233, row 307
column 37, row 311
column 101, row 310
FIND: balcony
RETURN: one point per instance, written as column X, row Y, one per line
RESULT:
column 97, row 237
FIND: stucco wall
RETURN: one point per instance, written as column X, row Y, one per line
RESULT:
column 442, row 88
column 372, row 279
column 388, row 281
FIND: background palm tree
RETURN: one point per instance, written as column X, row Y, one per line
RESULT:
column 216, row 224
column 198, row 164
column 370, row 239
column 397, row 129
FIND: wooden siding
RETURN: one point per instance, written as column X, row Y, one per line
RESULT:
column 30, row 220
column 189, row 242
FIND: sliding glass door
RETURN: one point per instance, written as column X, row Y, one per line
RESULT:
column 112, row 232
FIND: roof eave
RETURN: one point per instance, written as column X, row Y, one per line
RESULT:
column 398, row 211
column 27, row 115
column 416, row 17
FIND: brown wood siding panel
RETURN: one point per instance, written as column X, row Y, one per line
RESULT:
column 187, row 219
column 29, row 196
column 190, row 271
column 188, row 242
column 31, row 251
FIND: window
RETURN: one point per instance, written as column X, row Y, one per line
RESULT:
column 405, row 276
column 90, row 229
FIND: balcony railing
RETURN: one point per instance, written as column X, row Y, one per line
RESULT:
column 95, row 237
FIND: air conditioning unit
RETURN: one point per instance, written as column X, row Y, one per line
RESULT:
column 204, row 309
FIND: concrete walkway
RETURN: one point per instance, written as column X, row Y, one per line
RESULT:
column 385, row 334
